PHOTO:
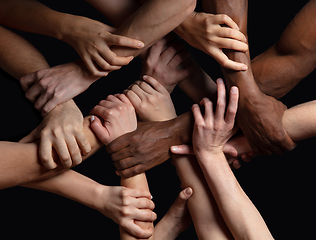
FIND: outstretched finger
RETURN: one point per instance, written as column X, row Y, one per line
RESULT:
column 232, row 106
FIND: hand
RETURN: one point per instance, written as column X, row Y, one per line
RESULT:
column 61, row 129
column 260, row 119
column 152, row 102
column 212, row 131
column 93, row 40
column 177, row 219
column 49, row 87
column 204, row 31
column 124, row 205
column 167, row 62
column 118, row 117
column 143, row 149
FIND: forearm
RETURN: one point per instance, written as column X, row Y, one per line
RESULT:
column 115, row 11
column 17, row 56
column 299, row 121
column 204, row 212
column 31, row 16
column 152, row 21
column 198, row 85
column 137, row 182
column 72, row 185
column 239, row 213
column 20, row 164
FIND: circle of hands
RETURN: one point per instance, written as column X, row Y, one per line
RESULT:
column 148, row 100
column 122, row 120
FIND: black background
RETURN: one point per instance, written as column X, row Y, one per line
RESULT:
column 279, row 185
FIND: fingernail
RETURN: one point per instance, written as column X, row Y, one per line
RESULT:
column 244, row 68
column 188, row 191
column 173, row 148
column 140, row 45
column 145, row 77
column 220, row 80
column 92, row 118
column 151, row 197
column 234, row 89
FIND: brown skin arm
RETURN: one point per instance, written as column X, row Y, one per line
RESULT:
column 259, row 116
column 293, row 57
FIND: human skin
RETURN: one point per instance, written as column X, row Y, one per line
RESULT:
column 259, row 115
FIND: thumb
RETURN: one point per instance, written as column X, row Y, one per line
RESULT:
column 99, row 130
column 182, row 149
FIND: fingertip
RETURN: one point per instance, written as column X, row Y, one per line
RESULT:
column 188, row 192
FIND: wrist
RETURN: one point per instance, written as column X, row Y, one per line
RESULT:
column 182, row 128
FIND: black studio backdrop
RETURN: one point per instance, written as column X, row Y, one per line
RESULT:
column 279, row 185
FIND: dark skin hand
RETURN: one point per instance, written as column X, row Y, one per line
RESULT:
column 259, row 116
column 149, row 145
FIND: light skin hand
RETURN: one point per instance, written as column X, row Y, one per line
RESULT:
column 61, row 130
column 47, row 88
column 212, row 131
column 168, row 62
column 151, row 100
column 124, row 205
column 204, row 31
column 93, row 41
column 118, row 116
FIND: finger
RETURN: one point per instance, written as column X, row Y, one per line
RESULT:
column 118, row 147
column 50, row 105
column 42, row 100
column 232, row 44
column 112, row 59
column 232, row 106
column 74, row 151
column 208, row 108
column 140, row 193
column 184, row 195
column 157, row 86
column 28, row 80
column 221, row 100
column 197, row 114
column 122, row 98
column 137, row 231
column 99, row 111
column 130, row 172
column 133, row 97
column 83, row 143
column 157, row 49
column 63, row 153
column 125, row 41
column 101, row 132
column 224, row 61
column 225, row 32
column 182, row 149
column 139, row 91
column 46, row 154
column 230, row 150
column 33, row 93
column 104, row 64
column 93, row 69
column 167, row 55
column 224, row 19
column 143, row 203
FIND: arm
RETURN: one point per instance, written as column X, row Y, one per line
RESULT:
column 259, row 116
column 211, row 132
column 119, row 117
column 20, row 161
column 286, row 63
column 17, row 56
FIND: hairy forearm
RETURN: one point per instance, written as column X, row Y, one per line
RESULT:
column 17, row 56
column 20, row 164
column 153, row 20
column 239, row 213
